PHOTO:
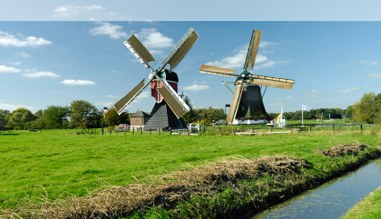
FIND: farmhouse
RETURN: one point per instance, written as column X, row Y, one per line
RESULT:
column 138, row 119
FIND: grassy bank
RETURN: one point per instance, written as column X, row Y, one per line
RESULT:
column 44, row 166
column 370, row 207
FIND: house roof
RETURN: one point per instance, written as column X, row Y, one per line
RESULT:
column 140, row 114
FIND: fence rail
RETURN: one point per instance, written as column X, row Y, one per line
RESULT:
column 247, row 130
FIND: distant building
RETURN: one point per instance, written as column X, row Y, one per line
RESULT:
column 138, row 119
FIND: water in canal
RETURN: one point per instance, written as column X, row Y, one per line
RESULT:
column 332, row 199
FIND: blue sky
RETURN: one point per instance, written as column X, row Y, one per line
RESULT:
column 199, row 10
column 53, row 63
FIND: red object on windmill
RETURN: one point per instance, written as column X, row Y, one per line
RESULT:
column 172, row 80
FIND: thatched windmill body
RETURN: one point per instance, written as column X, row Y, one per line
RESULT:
column 169, row 107
column 247, row 106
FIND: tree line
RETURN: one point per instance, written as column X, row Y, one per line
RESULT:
column 82, row 114
column 368, row 109
column 322, row 113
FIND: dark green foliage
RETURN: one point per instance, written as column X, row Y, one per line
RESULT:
column 85, row 115
column 124, row 118
column 54, row 117
column 322, row 113
column 4, row 117
column 20, row 119
column 111, row 117
column 368, row 109
column 191, row 115
column 209, row 115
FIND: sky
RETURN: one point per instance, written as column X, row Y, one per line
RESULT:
column 195, row 10
column 65, row 51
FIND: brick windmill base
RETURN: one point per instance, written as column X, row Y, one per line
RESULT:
column 162, row 117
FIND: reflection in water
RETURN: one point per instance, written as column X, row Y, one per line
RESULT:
column 332, row 199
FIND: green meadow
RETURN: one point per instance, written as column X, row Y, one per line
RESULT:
column 55, row 164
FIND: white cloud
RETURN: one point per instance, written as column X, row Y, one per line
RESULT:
column 348, row 90
column 237, row 60
column 154, row 40
column 270, row 63
column 264, row 44
column 41, row 74
column 23, row 55
column 314, row 93
column 12, row 107
column 107, row 104
column 374, row 75
column 368, row 62
column 7, row 39
column 196, row 87
column 66, row 11
column 111, row 96
column 72, row 10
column 111, row 30
column 77, row 82
column 8, row 69
column 93, row 7
column 143, row 95
column 17, row 63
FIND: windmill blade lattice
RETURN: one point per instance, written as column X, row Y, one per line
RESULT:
column 252, row 50
column 208, row 69
column 247, row 102
column 174, row 101
column 181, row 49
column 234, row 103
column 163, row 91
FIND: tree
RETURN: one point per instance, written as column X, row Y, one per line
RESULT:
column 124, row 118
column 111, row 117
column 377, row 109
column 85, row 115
column 349, row 112
column 189, row 116
column 364, row 111
column 55, row 117
column 39, row 113
column 21, row 118
column 4, row 117
column 209, row 115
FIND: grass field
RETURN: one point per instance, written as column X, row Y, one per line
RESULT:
column 48, row 165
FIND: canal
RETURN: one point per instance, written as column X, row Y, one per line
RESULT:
column 332, row 199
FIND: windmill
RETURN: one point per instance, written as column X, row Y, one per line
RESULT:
column 169, row 106
column 247, row 104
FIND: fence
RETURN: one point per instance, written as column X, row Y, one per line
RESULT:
column 247, row 130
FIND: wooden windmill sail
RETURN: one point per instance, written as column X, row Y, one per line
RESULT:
column 169, row 107
column 247, row 103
